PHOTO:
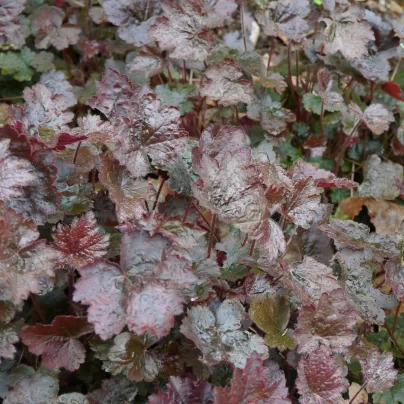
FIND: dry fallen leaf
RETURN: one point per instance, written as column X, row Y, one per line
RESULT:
column 386, row 216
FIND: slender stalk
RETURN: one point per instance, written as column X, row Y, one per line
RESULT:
column 205, row 220
column 396, row 317
column 393, row 338
column 344, row 146
column 38, row 308
column 252, row 248
column 170, row 77
column 244, row 241
column 351, row 401
column 146, row 11
column 184, row 71
column 271, row 52
column 292, row 89
column 242, row 24
column 395, row 70
column 76, row 153
column 297, row 67
column 212, row 232
column 158, row 193
column 237, row 117
column 322, row 118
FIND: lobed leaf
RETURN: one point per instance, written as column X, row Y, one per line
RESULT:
column 218, row 335
column 81, row 243
column 58, row 342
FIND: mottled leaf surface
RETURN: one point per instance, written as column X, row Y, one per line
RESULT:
column 218, row 335
column 321, row 380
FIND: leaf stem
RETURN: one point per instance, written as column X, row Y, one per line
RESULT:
column 396, row 317
column 393, row 338
column 245, row 241
column 271, row 52
column 292, row 89
column 205, row 220
column 237, row 117
column 351, row 401
column 76, row 153
column 322, row 118
column 344, row 147
column 212, row 232
column 38, row 308
column 252, row 248
column 184, row 71
column 158, row 193
column 242, row 24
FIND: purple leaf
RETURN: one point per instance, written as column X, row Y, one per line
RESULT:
column 330, row 324
column 378, row 370
column 82, row 242
column 57, row 342
column 184, row 390
column 348, row 33
column 224, row 82
column 133, row 17
column 183, row 30
column 24, row 258
column 10, row 26
column 48, row 29
column 255, row 383
column 321, row 380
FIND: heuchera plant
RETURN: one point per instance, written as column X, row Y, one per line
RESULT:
column 201, row 201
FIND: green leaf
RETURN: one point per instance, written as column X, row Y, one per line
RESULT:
column 43, row 61
column 75, row 199
column 17, row 64
column 382, row 339
column 176, row 96
column 287, row 149
column 312, row 103
column 393, row 395
column 234, row 272
column 339, row 194
column 271, row 314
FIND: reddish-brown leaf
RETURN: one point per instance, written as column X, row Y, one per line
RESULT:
column 82, row 242
column 255, row 383
column 57, row 342
column 393, row 90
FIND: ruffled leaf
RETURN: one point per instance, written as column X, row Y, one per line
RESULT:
column 218, row 335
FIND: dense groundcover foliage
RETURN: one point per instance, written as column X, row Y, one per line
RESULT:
column 201, row 201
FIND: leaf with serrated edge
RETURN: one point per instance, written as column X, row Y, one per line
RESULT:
column 255, row 383
column 321, row 380
column 330, row 324
column 224, row 82
column 218, row 336
column 378, row 370
column 82, row 242
column 57, row 342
